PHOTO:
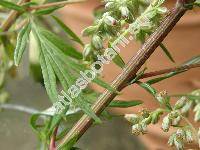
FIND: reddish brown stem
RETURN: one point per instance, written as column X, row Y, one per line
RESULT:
column 127, row 74
column 164, row 71
column 12, row 17
column 52, row 145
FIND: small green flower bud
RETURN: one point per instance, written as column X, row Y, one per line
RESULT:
column 109, row 5
column 188, row 135
column 186, row 107
column 161, row 96
column 166, row 123
column 171, row 140
column 162, row 10
column 110, row 21
column 136, row 129
column 178, row 143
column 133, row 118
column 156, row 115
column 176, row 121
column 197, row 112
column 97, row 42
column 180, row 103
column 143, row 127
column 145, row 113
column 89, row 30
column 87, row 51
column 124, row 12
column 174, row 114
column 180, row 133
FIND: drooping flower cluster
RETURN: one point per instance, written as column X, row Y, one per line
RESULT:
column 174, row 118
column 142, row 16
column 178, row 138
column 141, row 121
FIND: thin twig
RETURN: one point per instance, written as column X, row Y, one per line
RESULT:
column 12, row 17
column 55, row 4
column 19, row 108
column 164, row 71
column 127, row 74
column 52, row 145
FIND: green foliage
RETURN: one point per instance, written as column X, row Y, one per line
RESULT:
column 11, row 5
column 68, row 30
column 166, row 51
column 125, row 104
column 61, row 63
column 22, row 39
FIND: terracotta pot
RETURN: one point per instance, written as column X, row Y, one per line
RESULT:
column 183, row 42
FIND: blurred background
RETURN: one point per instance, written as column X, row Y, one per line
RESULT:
column 183, row 42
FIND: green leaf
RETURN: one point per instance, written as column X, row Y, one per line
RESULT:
column 119, row 61
column 105, row 85
column 46, row 11
column 125, row 104
column 68, row 30
column 194, row 60
column 166, row 51
column 148, row 88
column 138, row 76
column 63, row 46
column 22, row 39
column 52, row 66
column 11, row 5
column 47, row 71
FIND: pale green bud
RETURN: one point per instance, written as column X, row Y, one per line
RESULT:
column 136, row 129
column 162, row 10
column 171, row 140
column 180, row 103
column 87, row 51
column 174, row 114
column 161, row 96
column 176, row 121
column 166, row 123
column 89, row 30
column 124, row 12
column 110, row 21
column 186, row 107
column 178, row 143
column 97, row 42
column 133, row 118
column 109, row 5
column 156, row 115
column 197, row 112
column 188, row 135
column 180, row 133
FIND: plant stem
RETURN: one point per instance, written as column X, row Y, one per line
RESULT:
column 55, row 4
column 127, row 74
column 164, row 71
column 52, row 145
column 12, row 17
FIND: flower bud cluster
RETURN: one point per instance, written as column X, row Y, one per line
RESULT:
column 119, row 13
column 173, row 118
column 178, row 138
column 142, row 120
column 185, row 104
column 149, row 20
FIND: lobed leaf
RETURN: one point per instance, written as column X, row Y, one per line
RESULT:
column 68, row 30
column 22, row 39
